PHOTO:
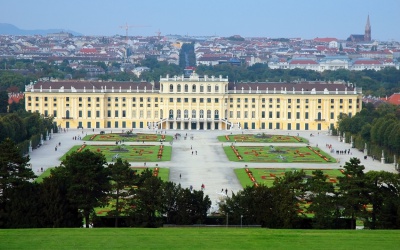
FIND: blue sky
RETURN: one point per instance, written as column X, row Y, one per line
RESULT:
column 262, row 18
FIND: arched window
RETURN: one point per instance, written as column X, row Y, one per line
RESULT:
column 171, row 88
column 319, row 116
column 193, row 113
column 208, row 114
column 67, row 114
column 194, row 88
column 201, row 88
column 171, row 114
column 208, row 88
column 216, row 114
column 161, row 114
column 186, row 114
column 179, row 88
column 178, row 114
column 226, row 114
column 216, row 88
column 201, row 113
column 186, row 88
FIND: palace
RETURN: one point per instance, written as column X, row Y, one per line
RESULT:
column 194, row 103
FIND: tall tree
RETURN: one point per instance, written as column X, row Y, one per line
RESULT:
column 323, row 198
column 57, row 209
column 3, row 101
column 384, row 196
column 122, row 184
column 89, row 182
column 353, row 190
column 147, row 205
column 14, row 172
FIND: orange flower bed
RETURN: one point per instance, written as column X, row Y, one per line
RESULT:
column 81, row 148
column 155, row 172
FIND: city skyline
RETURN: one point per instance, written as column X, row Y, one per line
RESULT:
column 290, row 18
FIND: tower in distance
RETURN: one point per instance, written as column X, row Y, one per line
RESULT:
column 367, row 35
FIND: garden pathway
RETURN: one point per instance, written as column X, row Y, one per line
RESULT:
column 210, row 166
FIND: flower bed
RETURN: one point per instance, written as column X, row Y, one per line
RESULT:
column 250, row 174
column 318, row 153
column 236, row 153
column 155, row 172
column 81, row 148
column 160, row 152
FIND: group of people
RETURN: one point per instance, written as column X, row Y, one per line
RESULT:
column 59, row 144
column 193, row 151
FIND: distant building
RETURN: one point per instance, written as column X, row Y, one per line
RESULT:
column 60, row 35
column 393, row 99
column 362, row 38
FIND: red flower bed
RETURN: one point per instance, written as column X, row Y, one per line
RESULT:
column 250, row 174
column 318, row 153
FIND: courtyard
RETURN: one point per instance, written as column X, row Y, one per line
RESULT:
column 210, row 166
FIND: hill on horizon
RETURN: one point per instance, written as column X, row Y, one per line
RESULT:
column 10, row 29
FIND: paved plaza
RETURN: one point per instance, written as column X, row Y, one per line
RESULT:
column 202, row 160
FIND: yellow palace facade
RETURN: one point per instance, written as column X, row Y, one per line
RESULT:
column 194, row 103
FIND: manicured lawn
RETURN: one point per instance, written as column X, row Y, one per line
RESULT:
column 267, row 176
column 139, row 137
column 262, row 138
column 131, row 153
column 41, row 175
column 197, row 238
column 163, row 173
column 281, row 154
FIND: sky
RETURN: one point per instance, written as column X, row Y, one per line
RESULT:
column 305, row 19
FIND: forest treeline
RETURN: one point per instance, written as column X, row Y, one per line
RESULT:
column 376, row 127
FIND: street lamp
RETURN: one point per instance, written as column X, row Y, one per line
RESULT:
column 241, row 219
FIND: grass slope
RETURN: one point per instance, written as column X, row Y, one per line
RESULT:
column 197, row 238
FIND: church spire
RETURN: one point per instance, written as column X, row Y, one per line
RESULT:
column 367, row 35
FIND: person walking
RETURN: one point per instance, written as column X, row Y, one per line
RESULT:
column 180, row 176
